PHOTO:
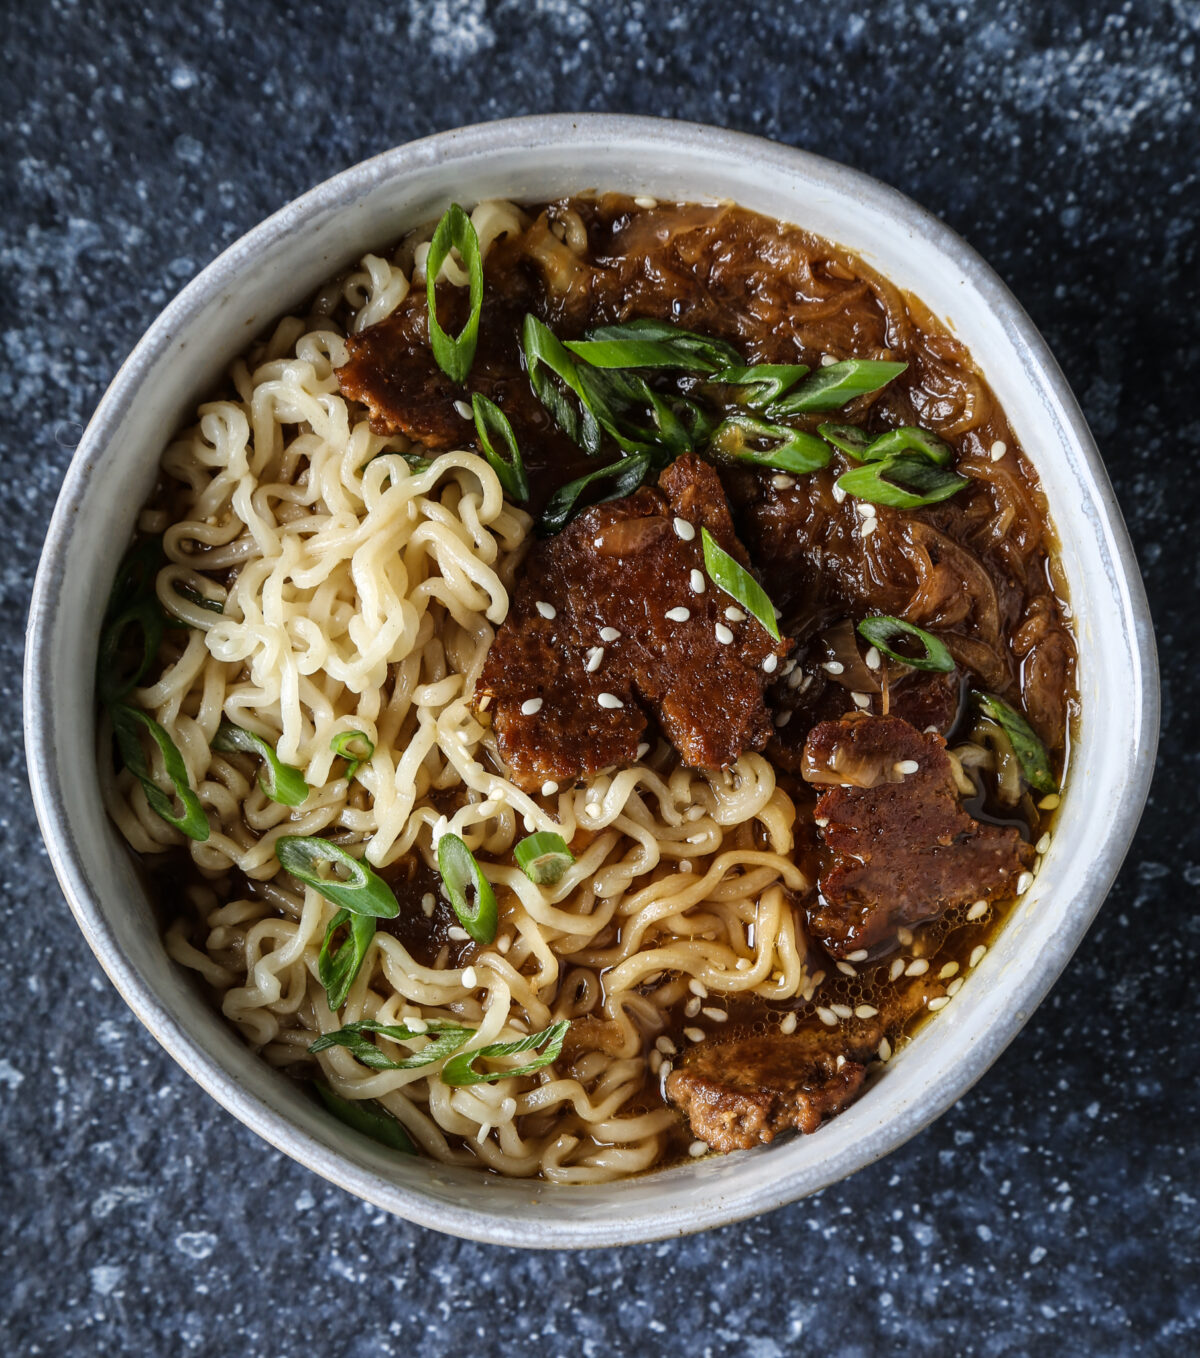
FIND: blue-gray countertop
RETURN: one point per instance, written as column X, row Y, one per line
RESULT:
column 1054, row 1210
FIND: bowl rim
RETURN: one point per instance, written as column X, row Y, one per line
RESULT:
column 67, row 858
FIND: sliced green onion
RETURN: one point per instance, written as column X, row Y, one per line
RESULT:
column 460, row 1070
column 546, row 359
column 491, row 420
column 761, row 384
column 454, row 356
column 283, row 783
column 360, row 891
column 463, row 877
column 445, row 1040
column 356, row 747
column 904, row 481
column 883, row 629
column 337, row 967
column 625, row 477
column 144, row 614
column 847, row 438
column 193, row 596
column 738, row 583
column 833, row 387
column 128, row 723
column 543, row 857
column 368, row 1117
column 909, row 439
column 793, row 450
column 640, row 419
column 136, row 574
column 1031, row 753
column 649, row 343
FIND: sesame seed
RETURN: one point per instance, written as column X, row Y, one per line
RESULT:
column 531, row 706
column 999, row 448
column 683, row 529
column 885, row 1050
column 459, row 935
column 696, row 580
column 717, row 1015
column 428, row 901
column 955, row 986
column 905, row 766
column 734, row 614
column 796, row 677
column 678, row 614
column 724, row 635
column 1043, row 844
column 827, row 360
column 1049, row 803
column 977, row 955
column 822, row 821
column 843, row 1011
column 744, row 964
column 771, row 663
column 643, row 749
column 917, row 967
column 840, row 1062
column 865, row 1011
column 948, row 970
column 698, row 988
column 694, row 1034
column 1024, row 882
column 940, row 1003
column 817, row 979
column 504, row 942
column 826, row 1016
column 861, row 699
column 685, row 865
column 859, row 955
column 609, row 700
column 782, row 719
column 609, row 634
column 904, row 937
column 546, row 610
column 846, row 969
column 783, row 482
column 464, row 410
column 978, row 910
column 666, row 1046
column 691, row 1009
column 788, row 1023
column 549, row 788
column 416, row 1025
column 470, row 979
column 697, row 1149
column 839, row 495
column 665, row 1069
column 868, row 527
column 871, row 659
column 896, row 968
column 865, row 508
column 645, row 201
column 833, row 667
column 594, row 656
column 655, row 1061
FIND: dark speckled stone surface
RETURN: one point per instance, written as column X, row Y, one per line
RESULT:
column 1055, row 1209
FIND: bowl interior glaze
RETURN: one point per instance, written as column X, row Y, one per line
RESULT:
column 272, row 270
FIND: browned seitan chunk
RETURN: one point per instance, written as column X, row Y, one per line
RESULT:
column 898, row 848
column 607, row 629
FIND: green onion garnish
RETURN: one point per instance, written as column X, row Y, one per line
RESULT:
column 904, row 481
column 546, row 359
column 281, row 782
column 128, row 722
column 445, row 1039
column 626, row 476
column 193, row 596
column 460, row 1070
column 835, row 386
column 882, row 629
column 491, row 420
column 738, row 583
column 909, row 439
column 759, row 384
column 652, row 344
column 355, row 747
column 454, row 356
column 847, row 438
column 337, row 967
column 463, row 878
column 144, row 614
column 793, row 450
column 360, row 891
column 136, row 574
column 543, row 857
column 1031, row 753
column 640, row 419
column 368, row 1117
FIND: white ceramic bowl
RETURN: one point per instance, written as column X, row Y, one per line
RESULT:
column 272, row 270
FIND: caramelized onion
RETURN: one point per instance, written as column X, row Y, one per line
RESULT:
column 842, row 645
